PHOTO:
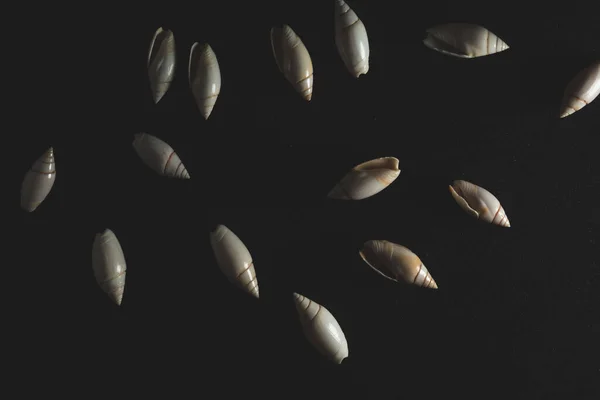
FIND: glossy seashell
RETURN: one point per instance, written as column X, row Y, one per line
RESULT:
column 159, row 156
column 351, row 39
column 38, row 181
column 161, row 63
column 293, row 59
column 397, row 263
column 205, row 77
column 582, row 90
column 463, row 40
column 366, row 179
column 321, row 329
column 479, row 203
column 108, row 263
column 234, row 259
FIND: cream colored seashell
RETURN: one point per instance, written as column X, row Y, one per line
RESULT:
column 366, row 179
column 234, row 259
column 205, row 77
column 479, row 203
column 397, row 263
column 108, row 264
column 159, row 156
column 38, row 181
column 351, row 39
column 293, row 59
column 161, row 63
column 321, row 329
column 464, row 40
column 582, row 90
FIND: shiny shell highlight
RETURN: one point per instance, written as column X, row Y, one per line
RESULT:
column 161, row 63
column 351, row 39
column 366, row 179
column 479, row 203
column 38, row 181
column 204, row 76
column 108, row 264
column 464, row 40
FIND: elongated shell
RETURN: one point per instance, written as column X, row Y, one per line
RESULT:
column 38, row 181
column 351, row 39
column 366, row 179
column 397, row 263
column 293, row 60
column 464, row 40
column 108, row 263
column 234, row 259
column 159, row 156
column 479, row 203
column 205, row 77
column 321, row 329
column 582, row 90
column 161, row 63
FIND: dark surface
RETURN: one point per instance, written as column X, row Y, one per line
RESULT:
column 516, row 315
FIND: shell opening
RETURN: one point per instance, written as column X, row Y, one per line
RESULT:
column 438, row 44
column 390, row 163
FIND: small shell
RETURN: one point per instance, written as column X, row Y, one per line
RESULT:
column 397, row 263
column 321, row 329
column 205, row 77
column 161, row 63
column 479, row 203
column 463, row 40
column 159, row 156
column 582, row 90
column 234, row 259
column 351, row 39
column 108, row 263
column 292, row 59
column 38, row 181
column 366, row 179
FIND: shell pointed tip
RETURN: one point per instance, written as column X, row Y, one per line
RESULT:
column 308, row 97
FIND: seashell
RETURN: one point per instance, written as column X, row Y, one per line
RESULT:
column 161, row 63
column 205, row 77
column 159, row 156
column 582, row 90
column 38, row 181
column 463, row 40
column 479, row 203
column 108, row 263
column 397, row 263
column 292, row 59
column 321, row 329
column 234, row 259
column 351, row 39
column 366, row 179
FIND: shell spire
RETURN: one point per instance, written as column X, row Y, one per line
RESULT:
column 108, row 264
column 159, row 156
column 479, row 203
column 463, row 40
column 581, row 90
column 366, row 179
column 161, row 63
column 38, row 181
column 204, row 76
column 351, row 39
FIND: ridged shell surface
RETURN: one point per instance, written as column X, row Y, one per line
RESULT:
column 464, row 40
column 205, row 77
column 351, row 39
column 582, row 90
column 479, row 203
column 161, row 63
column 38, row 181
column 366, row 179
column 108, row 263
column 159, row 156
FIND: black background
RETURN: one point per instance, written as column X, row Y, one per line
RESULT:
column 516, row 313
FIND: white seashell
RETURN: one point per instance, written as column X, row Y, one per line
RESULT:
column 159, row 156
column 234, row 259
column 321, row 329
column 582, row 90
column 366, row 179
column 397, row 263
column 205, row 77
column 479, row 203
column 38, row 181
column 161, row 63
column 292, row 59
column 351, row 39
column 108, row 263
column 463, row 40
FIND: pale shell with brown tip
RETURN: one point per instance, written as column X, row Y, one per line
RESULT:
column 159, row 156
column 366, row 179
column 464, row 40
column 204, row 76
column 108, row 264
column 38, row 181
column 581, row 90
column 479, row 202
column 351, row 39
column 161, row 63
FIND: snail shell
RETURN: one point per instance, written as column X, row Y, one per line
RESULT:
column 292, row 59
column 463, row 40
column 38, row 181
column 159, row 156
column 351, row 39
column 479, row 203
column 108, row 263
column 397, row 263
column 582, row 90
column 161, row 63
column 234, row 259
column 366, row 179
column 204, row 75
column 321, row 329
